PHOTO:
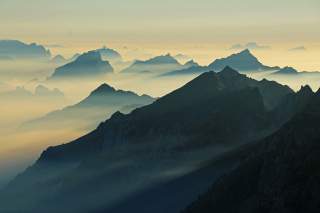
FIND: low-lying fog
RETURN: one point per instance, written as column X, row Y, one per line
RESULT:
column 19, row 148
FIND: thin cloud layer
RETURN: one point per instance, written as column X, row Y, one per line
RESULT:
column 250, row 45
column 299, row 48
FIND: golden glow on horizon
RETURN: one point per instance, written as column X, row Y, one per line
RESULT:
column 203, row 29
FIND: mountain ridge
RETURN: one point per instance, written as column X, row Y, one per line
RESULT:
column 88, row 65
column 279, row 175
column 175, row 133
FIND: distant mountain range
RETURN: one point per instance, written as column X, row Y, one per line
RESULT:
column 136, row 155
column 242, row 61
column 157, row 65
column 286, row 71
column 14, row 49
column 87, row 65
column 291, row 72
column 98, row 106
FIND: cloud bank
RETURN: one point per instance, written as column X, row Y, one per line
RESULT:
column 250, row 45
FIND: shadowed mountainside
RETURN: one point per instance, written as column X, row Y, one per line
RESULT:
column 280, row 175
column 153, row 145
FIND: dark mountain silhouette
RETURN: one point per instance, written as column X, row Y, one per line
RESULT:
column 293, row 103
column 14, row 49
column 175, row 195
column 152, row 145
column 157, row 65
column 242, row 61
column 98, row 106
column 88, row 65
column 280, row 175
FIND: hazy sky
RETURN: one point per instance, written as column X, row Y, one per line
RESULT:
column 179, row 24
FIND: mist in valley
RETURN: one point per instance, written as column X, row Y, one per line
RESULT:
column 38, row 113
column 21, row 146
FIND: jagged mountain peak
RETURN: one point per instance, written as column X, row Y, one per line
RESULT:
column 89, row 65
column 242, row 61
column 305, row 90
column 245, row 52
column 289, row 69
column 103, row 88
column 228, row 72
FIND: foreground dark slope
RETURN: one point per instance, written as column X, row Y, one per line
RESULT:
column 174, row 195
column 151, row 146
column 281, row 175
column 190, row 110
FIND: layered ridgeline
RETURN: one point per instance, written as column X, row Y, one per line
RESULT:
column 280, row 175
column 157, row 65
column 88, row 65
column 130, row 156
column 290, row 72
column 13, row 50
column 191, row 69
column 242, row 61
column 98, row 106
